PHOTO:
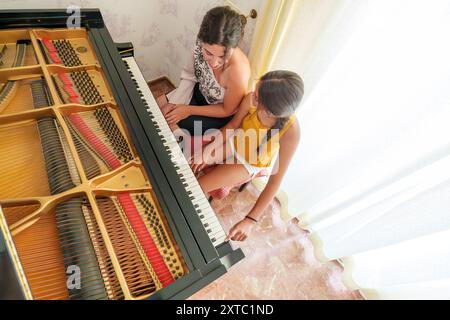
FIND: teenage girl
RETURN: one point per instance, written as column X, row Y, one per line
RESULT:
column 266, row 116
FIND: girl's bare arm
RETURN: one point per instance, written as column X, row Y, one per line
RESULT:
column 288, row 145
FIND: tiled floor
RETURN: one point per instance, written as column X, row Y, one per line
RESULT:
column 279, row 263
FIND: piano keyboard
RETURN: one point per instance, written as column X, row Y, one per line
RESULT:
column 206, row 214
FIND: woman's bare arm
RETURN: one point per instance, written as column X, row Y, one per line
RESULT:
column 236, row 88
column 233, row 97
column 227, row 131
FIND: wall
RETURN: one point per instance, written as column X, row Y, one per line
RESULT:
column 162, row 31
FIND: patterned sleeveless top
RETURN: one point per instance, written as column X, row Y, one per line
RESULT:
column 211, row 89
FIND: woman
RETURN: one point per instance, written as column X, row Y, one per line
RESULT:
column 264, row 131
column 215, row 82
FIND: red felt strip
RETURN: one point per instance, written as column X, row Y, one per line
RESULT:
column 94, row 141
column 52, row 52
column 74, row 100
column 65, row 79
column 49, row 45
column 70, row 91
column 55, row 58
column 145, row 239
column 128, row 205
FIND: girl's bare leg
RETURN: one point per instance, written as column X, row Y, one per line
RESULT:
column 223, row 175
column 227, row 172
column 223, row 153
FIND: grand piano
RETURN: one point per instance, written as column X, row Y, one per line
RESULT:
column 97, row 200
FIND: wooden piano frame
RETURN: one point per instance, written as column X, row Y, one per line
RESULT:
column 204, row 263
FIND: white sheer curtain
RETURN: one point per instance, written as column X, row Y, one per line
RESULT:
column 371, row 178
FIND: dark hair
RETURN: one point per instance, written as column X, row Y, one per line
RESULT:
column 222, row 26
column 280, row 92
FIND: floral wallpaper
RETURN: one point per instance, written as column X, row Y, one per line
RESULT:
column 162, row 31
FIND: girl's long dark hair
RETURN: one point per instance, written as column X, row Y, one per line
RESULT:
column 280, row 92
column 222, row 26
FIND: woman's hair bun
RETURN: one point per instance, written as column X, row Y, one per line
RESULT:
column 223, row 26
column 243, row 21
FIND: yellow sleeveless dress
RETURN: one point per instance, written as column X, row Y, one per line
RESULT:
column 252, row 134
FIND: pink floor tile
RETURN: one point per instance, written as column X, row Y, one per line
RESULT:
column 279, row 263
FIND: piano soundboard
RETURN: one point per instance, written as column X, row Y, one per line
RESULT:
column 97, row 200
